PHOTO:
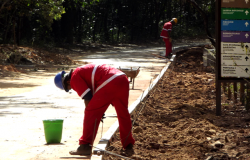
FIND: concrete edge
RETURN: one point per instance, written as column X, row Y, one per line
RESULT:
column 99, row 150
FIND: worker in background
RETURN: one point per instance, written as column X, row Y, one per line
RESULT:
column 99, row 86
column 165, row 34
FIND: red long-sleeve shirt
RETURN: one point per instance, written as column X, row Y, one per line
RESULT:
column 166, row 28
column 92, row 77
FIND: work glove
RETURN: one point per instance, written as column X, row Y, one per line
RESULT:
column 103, row 117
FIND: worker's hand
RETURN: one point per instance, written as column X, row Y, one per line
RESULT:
column 170, row 40
column 103, row 117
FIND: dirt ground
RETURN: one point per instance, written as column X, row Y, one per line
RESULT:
column 178, row 120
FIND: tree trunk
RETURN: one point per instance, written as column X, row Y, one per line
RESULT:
column 2, row 6
column 157, row 19
column 8, row 26
column 68, row 22
column 14, row 31
column 19, row 31
column 205, row 20
column 79, row 30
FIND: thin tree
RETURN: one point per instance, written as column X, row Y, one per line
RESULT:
column 212, row 40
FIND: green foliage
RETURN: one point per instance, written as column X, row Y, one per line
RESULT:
column 39, row 14
column 109, row 21
column 42, row 9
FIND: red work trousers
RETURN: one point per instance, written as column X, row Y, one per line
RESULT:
column 168, row 46
column 116, row 93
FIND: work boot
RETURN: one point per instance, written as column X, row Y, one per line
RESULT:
column 129, row 151
column 83, row 149
column 129, row 147
column 169, row 56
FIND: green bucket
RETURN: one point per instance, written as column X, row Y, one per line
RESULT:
column 53, row 130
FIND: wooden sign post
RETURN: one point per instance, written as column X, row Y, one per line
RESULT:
column 232, row 44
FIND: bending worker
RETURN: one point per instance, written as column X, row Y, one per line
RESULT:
column 99, row 86
column 165, row 34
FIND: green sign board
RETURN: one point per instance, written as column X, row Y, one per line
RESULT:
column 235, row 13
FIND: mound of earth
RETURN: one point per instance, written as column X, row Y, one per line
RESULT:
column 25, row 55
column 178, row 119
column 13, row 59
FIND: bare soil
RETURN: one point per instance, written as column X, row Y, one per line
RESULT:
column 178, row 119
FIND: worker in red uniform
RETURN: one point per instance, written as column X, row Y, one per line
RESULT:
column 165, row 34
column 99, row 86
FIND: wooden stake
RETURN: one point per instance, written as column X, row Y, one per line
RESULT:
column 235, row 92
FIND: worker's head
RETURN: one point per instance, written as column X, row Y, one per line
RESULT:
column 62, row 80
column 174, row 21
